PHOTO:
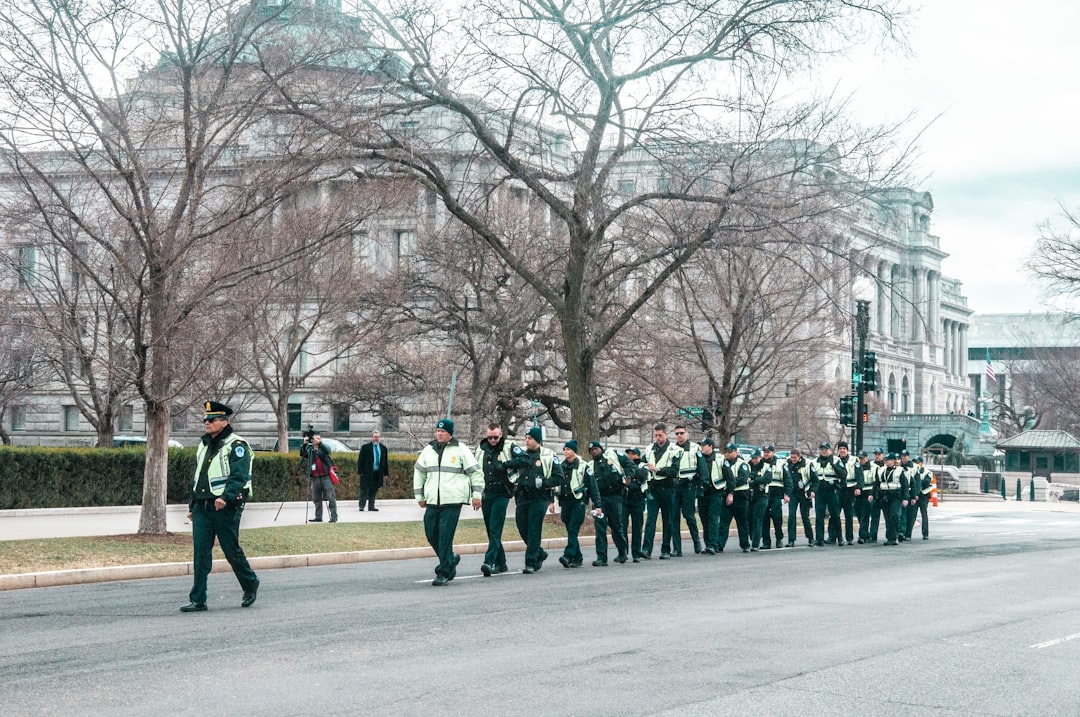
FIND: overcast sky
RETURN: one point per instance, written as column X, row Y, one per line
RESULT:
column 1005, row 152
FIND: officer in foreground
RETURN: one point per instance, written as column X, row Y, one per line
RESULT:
column 221, row 487
column 493, row 455
column 539, row 474
column 637, row 485
column 446, row 476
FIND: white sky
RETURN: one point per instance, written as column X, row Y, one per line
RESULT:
column 1005, row 153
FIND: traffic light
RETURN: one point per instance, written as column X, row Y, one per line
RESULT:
column 869, row 373
column 847, row 411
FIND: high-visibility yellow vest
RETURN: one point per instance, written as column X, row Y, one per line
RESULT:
column 234, row 448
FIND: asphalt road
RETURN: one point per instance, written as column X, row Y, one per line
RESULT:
column 983, row 619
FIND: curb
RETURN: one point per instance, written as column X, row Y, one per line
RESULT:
column 83, row 576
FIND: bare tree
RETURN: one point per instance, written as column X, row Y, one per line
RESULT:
column 22, row 365
column 567, row 103
column 144, row 125
column 1056, row 259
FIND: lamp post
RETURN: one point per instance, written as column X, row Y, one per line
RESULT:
column 862, row 328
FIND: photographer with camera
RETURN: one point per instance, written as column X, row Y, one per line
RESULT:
column 316, row 461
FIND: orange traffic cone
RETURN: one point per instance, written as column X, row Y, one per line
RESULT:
column 933, row 491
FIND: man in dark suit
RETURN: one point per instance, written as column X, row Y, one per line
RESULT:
column 372, row 466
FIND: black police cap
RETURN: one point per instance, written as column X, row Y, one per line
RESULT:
column 213, row 409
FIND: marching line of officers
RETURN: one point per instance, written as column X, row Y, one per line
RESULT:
column 629, row 490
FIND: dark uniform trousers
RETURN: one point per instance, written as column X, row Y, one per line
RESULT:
column 759, row 502
column 889, row 504
column 847, row 508
column 572, row 513
column 827, row 498
column 774, row 513
column 685, row 500
column 493, row 506
column 206, row 523
column 634, row 518
column 614, row 507
column 917, row 508
column 709, row 512
column 440, row 525
column 800, row 504
column 662, row 501
column 529, row 516
column 740, row 511
column 864, row 510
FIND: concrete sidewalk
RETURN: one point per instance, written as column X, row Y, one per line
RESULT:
column 124, row 520
column 62, row 522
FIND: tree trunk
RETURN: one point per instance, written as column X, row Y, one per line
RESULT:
column 581, row 387
column 155, row 475
column 282, row 417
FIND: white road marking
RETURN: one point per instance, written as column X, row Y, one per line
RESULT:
column 1051, row 643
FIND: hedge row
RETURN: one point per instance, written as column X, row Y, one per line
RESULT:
column 37, row 477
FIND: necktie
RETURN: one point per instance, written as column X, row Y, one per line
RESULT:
column 376, row 452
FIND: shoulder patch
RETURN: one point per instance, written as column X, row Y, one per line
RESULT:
column 516, row 451
column 699, row 454
column 239, row 451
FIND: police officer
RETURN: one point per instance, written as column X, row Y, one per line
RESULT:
column 919, row 487
column 687, row 487
column 890, row 496
column 831, row 476
column 712, row 495
column 221, row 487
column 575, row 492
column 538, row 474
column 493, row 455
column 907, row 514
column 847, row 490
column 875, row 512
column 799, row 474
column 662, row 459
column 760, row 478
column 608, row 471
column 446, row 476
column 736, row 502
column 637, row 484
column 778, row 492
column 866, row 473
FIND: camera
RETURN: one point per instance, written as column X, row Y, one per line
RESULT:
column 309, row 433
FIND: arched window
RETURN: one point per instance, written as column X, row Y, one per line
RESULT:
column 932, row 408
column 892, row 392
column 905, row 396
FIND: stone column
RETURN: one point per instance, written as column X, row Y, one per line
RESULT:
column 963, row 354
column 933, row 291
column 882, row 304
column 946, row 341
column 918, row 299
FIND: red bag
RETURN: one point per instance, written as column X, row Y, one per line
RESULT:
column 333, row 475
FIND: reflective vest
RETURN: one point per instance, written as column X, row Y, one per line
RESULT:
column 776, row 475
column 736, row 467
column 688, row 460
column 926, row 484
column 827, row 472
column 505, row 454
column 802, row 478
column 671, row 455
column 889, row 478
column 233, row 448
column 575, row 481
column 716, row 473
column 850, row 464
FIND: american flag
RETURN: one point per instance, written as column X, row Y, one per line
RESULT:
column 990, row 375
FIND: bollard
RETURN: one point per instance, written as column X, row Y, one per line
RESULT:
column 1018, row 489
column 1004, row 495
column 986, row 484
column 1031, row 490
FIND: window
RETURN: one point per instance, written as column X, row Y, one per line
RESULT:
column 295, row 416
column 626, row 187
column 340, row 413
column 18, row 418
column 179, row 419
column 363, row 254
column 663, row 184
column 71, row 418
column 389, row 418
column 404, row 244
column 27, row 266
column 126, row 419
column 517, row 196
